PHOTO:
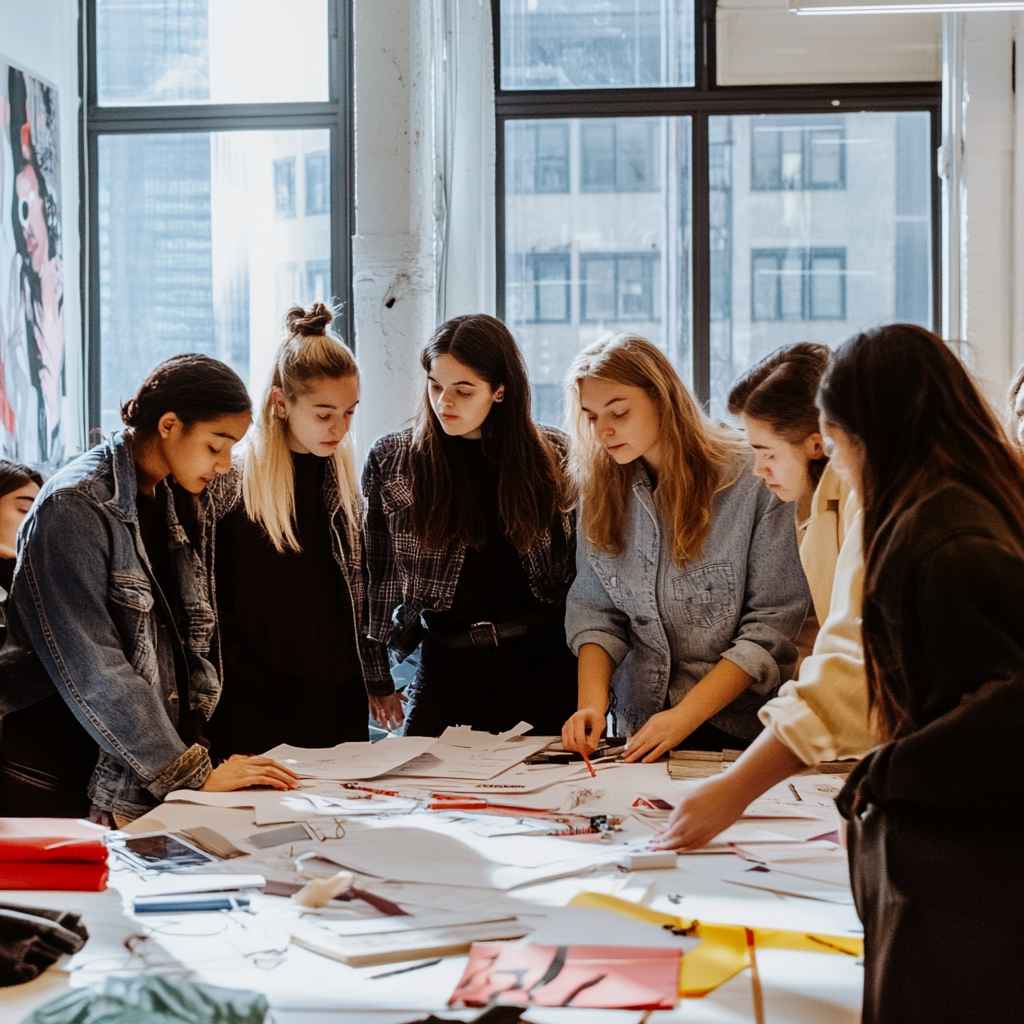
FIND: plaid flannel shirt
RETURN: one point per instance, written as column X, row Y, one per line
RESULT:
column 405, row 578
column 226, row 492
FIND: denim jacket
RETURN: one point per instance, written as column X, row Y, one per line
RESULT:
column 85, row 599
column 405, row 578
column 743, row 600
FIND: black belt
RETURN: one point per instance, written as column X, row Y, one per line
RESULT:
column 490, row 634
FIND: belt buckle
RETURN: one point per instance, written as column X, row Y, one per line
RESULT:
column 484, row 625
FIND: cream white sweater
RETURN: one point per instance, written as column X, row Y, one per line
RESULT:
column 822, row 715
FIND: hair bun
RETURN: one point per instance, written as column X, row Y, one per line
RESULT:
column 308, row 322
column 129, row 412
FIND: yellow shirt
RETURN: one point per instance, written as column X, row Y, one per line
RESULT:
column 822, row 715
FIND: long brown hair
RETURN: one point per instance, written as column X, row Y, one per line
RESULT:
column 782, row 391
column 701, row 458
column 903, row 394
column 531, row 480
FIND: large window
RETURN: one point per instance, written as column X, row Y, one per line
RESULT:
column 218, row 181
column 720, row 223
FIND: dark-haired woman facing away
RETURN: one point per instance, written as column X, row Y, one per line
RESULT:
column 19, row 486
column 935, row 811
column 112, row 617
column 470, row 543
column 289, row 573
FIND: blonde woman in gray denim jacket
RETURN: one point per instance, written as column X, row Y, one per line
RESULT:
column 689, row 592
column 110, row 671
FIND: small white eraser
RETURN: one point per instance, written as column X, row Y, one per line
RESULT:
column 650, row 860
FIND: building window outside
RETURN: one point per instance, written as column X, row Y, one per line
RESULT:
column 284, row 187
column 541, row 163
column 619, row 155
column 797, row 156
column 318, row 184
column 798, row 284
column 618, row 287
column 548, row 298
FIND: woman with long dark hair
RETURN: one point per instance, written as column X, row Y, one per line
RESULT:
column 935, row 812
column 111, row 666
column 470, row 544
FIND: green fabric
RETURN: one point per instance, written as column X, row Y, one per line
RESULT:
column 152, row 1000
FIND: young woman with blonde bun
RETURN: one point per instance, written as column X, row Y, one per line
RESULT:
column 470, row 543
column 289, row 578
column 822, row 713
column 689, row 592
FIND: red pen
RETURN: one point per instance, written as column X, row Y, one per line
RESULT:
column 590, row 767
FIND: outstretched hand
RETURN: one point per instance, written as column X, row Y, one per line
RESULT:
column 709, row 807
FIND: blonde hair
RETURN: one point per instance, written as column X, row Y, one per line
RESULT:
column 308, row 354
column 700, row 457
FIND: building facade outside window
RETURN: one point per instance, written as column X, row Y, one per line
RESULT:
column 718, row 223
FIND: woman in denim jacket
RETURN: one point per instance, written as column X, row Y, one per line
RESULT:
column 689, row 592
column 470, row 545
column 111, row 661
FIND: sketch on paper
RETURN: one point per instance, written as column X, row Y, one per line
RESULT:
column 32, row 367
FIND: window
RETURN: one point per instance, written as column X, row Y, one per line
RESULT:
column 787, row 155
column 201, row 164
column 318, row 184
column 284, row 187
column 547, row 288
column 618, row 287
column 788, row 284
column 720, row 223
column 619, row 156
column 539, row 157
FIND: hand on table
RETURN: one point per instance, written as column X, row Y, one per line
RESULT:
column 660, row 733
column 387, row 711
column 709, row 807
column 583, row 731
column 241, row 771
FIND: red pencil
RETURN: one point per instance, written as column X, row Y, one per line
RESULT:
column 590, row 767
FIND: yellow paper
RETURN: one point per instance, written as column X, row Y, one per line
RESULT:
column 722, row 952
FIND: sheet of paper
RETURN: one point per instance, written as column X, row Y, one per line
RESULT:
column 351, row 762
column 464, row 753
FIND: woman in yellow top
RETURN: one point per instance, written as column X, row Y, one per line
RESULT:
column 821, row 715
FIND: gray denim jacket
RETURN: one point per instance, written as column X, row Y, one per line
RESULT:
column 744, row 599
column 83, row 600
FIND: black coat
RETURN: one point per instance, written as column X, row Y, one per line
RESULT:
column 935, row 816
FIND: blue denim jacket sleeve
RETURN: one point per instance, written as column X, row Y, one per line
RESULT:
column 775, row 601
column 590, row 615
column 62, row 603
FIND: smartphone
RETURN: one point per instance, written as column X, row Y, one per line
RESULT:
column 162, row 852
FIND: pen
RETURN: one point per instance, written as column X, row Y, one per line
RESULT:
column 792, row 790
column 403, row 970
column 590, row 767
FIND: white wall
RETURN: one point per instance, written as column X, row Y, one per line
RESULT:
column 41, row 37
column 985, row 248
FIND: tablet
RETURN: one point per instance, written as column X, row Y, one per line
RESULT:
column 162, row 852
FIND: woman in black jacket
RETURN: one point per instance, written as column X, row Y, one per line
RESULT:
column 935, row 812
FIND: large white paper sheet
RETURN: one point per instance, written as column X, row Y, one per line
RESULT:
column 463, row 753
column 351, row 762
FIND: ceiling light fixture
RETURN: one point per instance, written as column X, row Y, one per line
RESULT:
column 901, row 6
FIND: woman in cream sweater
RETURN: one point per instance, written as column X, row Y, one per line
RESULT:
column 822, row 714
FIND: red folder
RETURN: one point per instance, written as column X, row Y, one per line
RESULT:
column 52, row 853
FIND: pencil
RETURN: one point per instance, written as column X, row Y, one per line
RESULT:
column 590, row 767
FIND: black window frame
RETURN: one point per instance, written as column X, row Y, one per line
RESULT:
column 336, row 114
column 705, row 99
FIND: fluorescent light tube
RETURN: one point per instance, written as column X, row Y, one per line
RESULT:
column 901, row 6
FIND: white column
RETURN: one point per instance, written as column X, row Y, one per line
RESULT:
column 393, row 249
